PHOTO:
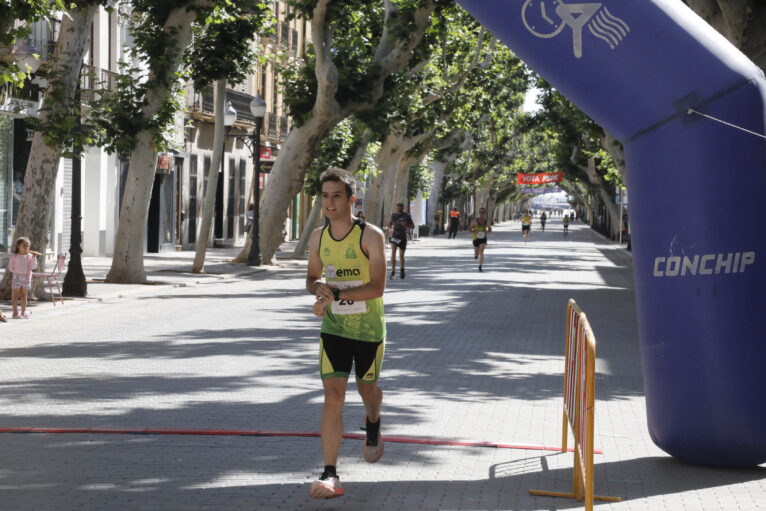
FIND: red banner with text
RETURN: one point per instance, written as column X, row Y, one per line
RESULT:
column 540, row 178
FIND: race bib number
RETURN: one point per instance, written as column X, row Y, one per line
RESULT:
column 394, row 240
column 480, row 235
column 344, row 306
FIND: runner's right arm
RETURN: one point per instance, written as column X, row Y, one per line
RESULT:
column 314, row 284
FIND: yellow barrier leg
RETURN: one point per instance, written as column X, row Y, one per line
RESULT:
column 577, row 486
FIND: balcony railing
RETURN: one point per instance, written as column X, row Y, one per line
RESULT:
column 109, row 79
column 92, row 81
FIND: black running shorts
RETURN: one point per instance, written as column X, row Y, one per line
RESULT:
column 479, row 241
column 336, row 355
column 400, row 242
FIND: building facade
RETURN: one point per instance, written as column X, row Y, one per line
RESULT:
column 179, row 187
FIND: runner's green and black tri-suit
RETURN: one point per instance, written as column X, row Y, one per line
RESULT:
column 351, row 331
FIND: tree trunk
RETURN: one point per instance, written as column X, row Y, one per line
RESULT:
column 613, row 210
column 42, row 167
column 483, row 196
column 372, row 208
column 286, row 181
column 434, row 196
column 740, row 21
column 316, row 209
column 616, row 151
column 403, row 172
column 128, row 260
column 402, row 181
column 303, row 242
column 387, row 158
column 208, row 207
column 303, row 142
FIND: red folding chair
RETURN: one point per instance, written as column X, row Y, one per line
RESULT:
column 53, row 276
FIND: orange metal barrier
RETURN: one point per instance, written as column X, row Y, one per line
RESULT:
column 579, row 400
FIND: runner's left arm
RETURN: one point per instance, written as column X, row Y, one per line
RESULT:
column 373, row 245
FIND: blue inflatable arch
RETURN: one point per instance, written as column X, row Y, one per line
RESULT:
column 637, row 68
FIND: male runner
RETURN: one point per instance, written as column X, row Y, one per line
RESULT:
column 526, row 225
column 566, row 224
column 543, row 218
column 397, row 228
column 351, row 255
column 480, row 227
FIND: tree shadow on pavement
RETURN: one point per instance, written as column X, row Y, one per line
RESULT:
column 222, row 473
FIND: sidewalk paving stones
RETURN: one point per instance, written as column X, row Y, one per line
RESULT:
column 470, row 356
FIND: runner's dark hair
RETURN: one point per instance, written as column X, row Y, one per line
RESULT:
column 339, row 175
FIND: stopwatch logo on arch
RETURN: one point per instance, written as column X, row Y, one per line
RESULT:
column 548, row 18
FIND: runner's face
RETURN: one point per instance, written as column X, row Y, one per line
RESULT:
column 335, row 202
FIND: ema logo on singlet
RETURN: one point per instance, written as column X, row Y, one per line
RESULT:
column 353, row 272
column 707, row 264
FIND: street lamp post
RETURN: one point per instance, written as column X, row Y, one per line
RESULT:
column 258, row 109
column 74, row 281
column 229, row 118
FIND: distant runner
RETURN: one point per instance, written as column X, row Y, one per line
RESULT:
column 543, row 219
column 566, row 225
column 351, row 255
column 526, row 225
column 480, row 228
column 397, row 228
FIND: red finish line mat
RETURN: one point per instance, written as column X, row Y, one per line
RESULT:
column 265, row 433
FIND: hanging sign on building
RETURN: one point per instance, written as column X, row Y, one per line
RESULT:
column 266, row 165
column 266, row 153
column 540, row 178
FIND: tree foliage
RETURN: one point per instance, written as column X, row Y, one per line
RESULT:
column 27, row 12
column 222, row 49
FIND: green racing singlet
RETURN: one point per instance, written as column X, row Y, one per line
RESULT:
column 346, row 265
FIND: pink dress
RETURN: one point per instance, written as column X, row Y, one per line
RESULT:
column 22, row 266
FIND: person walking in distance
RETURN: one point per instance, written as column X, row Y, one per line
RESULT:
column 480, row 227
column 350, row 254
column 397, row 229
column 454, row 222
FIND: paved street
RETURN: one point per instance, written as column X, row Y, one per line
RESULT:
column 470, row 356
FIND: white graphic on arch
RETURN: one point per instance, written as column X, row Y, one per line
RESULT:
column 547, row 18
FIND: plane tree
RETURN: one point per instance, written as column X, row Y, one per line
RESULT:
column 357, row 45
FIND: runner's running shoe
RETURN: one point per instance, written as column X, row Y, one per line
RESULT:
column 326, row 487
column 372, row 449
